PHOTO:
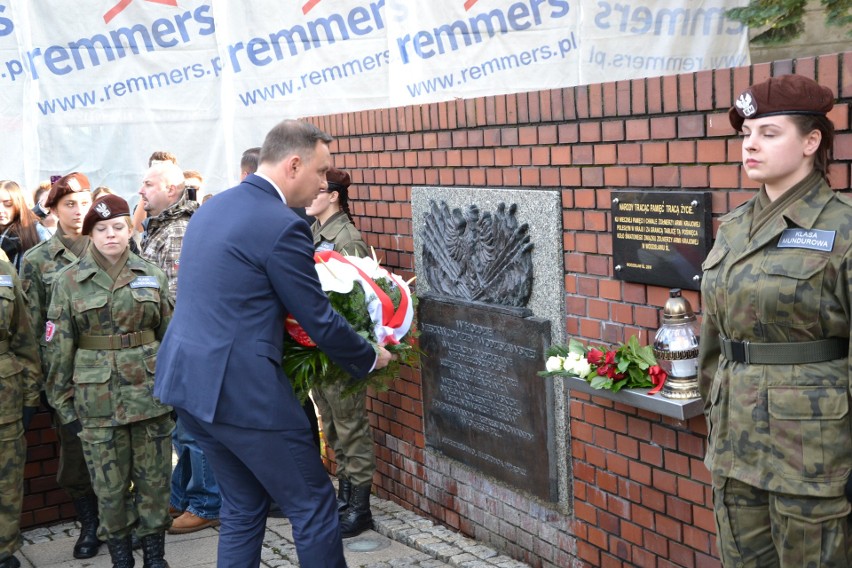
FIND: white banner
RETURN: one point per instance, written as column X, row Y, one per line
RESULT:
column 98, row 85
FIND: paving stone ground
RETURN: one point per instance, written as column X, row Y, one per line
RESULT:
column 400, row 539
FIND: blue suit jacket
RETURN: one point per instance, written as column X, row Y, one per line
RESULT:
column 246, row 262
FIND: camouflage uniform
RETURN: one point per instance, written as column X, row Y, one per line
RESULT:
column 40, row 266
column 126, row 433
column 163, row 238
column 345, row 424
column 779, row 444
column 20, row 383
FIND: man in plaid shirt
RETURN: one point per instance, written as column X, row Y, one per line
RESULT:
column 195, row 499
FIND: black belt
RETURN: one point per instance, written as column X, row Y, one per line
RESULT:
column 796, row 353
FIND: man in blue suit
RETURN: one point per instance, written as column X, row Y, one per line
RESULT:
column 247, row 261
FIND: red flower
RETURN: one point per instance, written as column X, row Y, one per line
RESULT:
column 297, row 332
column 594, row 356
column 607, row 368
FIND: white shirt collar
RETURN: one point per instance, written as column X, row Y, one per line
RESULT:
column 284, row 199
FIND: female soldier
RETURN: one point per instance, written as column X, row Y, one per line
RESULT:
column 344, row 419
column 108, row 313
column 19, row 227
column 774, row 365
column 20, row 383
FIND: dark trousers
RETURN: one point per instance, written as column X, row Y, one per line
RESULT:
column 253, row 467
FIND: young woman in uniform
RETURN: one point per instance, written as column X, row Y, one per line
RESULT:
column 774, row 366
column 344, row 419
column 108, row 313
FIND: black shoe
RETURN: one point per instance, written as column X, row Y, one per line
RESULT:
column 275, row 511
column 88, row 543
column 10, row 562
column 153, row 549
column 344, row 493
column 357, row 518
column 121, row 552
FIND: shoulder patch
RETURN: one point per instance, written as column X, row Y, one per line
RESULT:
column 6, row 281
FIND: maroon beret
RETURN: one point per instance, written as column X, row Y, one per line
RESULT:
column 337, row 178
column 787, row 94
column 107, row 207
column 70, row 183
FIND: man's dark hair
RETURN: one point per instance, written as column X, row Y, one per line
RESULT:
column 292, row 137
column 248, row 163
column 162, row 156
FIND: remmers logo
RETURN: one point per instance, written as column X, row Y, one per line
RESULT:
column 122, row 4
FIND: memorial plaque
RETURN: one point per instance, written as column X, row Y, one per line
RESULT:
column 484, row 403
column 661, row 237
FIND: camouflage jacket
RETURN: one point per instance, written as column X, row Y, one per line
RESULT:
column 106, row 387
column 163, row 239
column 39, row 268
column 782, row 428
column 339, row 234
column 20, row 373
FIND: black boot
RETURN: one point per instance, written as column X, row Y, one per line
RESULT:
column 121, row 552
column 88, row 544
column 344, row 493
column 357, row 518
column 153, row 549
column 10, row 562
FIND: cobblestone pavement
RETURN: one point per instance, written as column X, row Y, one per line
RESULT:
column 400, row 539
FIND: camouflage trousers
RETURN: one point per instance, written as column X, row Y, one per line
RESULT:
column 139, row 454
column 758, row 528
column 346, row 429
column 73, row 474
column 13, row 455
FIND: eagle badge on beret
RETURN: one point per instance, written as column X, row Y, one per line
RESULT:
column 102, row 209
column 747, row 104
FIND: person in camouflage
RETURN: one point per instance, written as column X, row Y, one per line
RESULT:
column 20, row 383
column 344, row 419
column 169, row 211
column 69, row 199
column 108, row 313
column 773, row 361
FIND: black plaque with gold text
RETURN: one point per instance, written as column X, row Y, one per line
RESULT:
column 484, row 404
column 661, row 237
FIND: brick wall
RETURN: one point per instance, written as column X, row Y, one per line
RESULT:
column 640, row 489
column 640, row 493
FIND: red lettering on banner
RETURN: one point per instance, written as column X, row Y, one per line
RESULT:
column 122, row 4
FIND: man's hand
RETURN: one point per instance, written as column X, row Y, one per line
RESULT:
column 383, row 357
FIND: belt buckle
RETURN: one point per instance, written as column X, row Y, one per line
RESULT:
column 125, row 341
column 739, row 352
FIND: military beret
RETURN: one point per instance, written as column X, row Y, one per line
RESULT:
column 70, row 183
column 337, row 180
column 787, row 94
column 107, row 207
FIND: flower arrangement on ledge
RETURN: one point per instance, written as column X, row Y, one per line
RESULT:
column 629, row 365
column 377, row 304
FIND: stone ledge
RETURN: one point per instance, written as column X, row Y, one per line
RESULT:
column 673, row 408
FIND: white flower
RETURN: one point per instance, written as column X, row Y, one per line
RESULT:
column 555, row 363
column 579, row 367
column 336, row 276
